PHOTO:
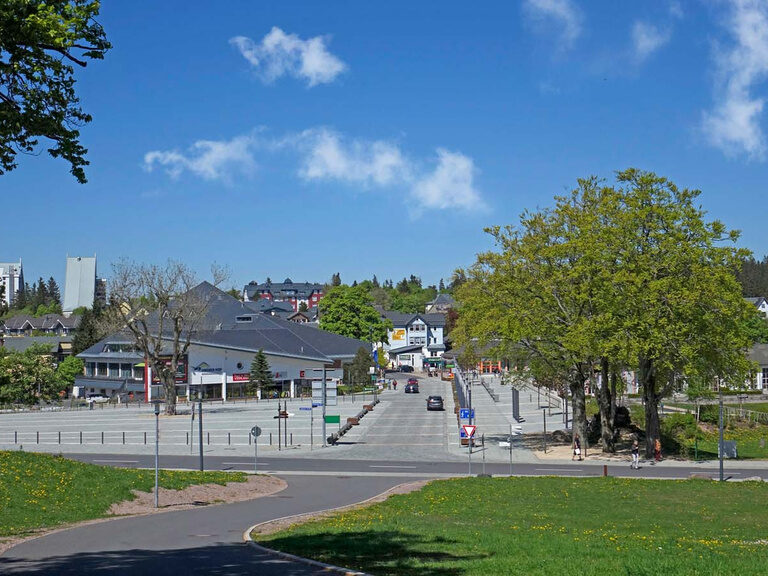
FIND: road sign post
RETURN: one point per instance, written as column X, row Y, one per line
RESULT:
column 255, row 432
column 469, row 430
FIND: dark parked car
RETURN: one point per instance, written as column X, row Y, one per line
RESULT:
column 406, row 368
column 435, row 403
column 411, row 388
column 413, row 381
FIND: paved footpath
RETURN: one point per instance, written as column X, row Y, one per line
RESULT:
column 207, row 540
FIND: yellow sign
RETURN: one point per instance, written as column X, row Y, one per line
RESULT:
column 398, row 334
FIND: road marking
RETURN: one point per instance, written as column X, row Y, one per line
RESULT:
column 118, row 461
column 382, row 466
column 558, row 470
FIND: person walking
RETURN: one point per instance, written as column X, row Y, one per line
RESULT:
column 635, row 454
column 576, row 447
column 657, row 450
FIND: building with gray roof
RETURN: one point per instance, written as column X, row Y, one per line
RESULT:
column 221, row 351
column 288, row 291
column 415, row 340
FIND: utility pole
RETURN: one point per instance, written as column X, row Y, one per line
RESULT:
column 325, row 436
column 200, row 421
column 157, row 453
column 720, row 442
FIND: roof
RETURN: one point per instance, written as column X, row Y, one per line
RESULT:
column 46, row 322
column 254, row 332
column 265, row 305
column 405, row 349
column 757, row 300
column 759, row 354
column 404, row 319
column 300, row 289
column 444, row 299
column 22, row 343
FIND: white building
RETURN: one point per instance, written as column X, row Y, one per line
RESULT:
column 81, row 285
column 415, row 340
column 12, row 279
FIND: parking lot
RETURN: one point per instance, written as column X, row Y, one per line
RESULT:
column 226, row 427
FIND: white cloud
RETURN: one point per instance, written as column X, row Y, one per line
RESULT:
column 563, row 12
column 279, row 54
column 647, row 39
column 676, row 10
column 328, row 156
column 734, row 123
column 450, row 185
column 209, row 159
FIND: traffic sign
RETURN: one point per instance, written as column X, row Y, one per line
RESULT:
column 332, row 419
column 304, row 408
column 466, row 413
column 255, row 431
column 469, row 430
column 316, row 404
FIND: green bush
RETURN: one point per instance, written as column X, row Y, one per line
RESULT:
column 709, row 413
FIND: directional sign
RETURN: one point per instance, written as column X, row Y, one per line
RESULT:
column 469, row 430
column 332, row 419
column 316, row 404
column 465, row 413
column 255, row 431
column 304, row 408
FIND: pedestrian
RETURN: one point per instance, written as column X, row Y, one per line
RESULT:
column 657, row 450
column 635, row 454
column 576, row 447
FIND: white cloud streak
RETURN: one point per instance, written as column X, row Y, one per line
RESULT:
column 733, row 125
column 329, row 156
column 647, row 39
column 208, row 159
column 326, row 155
column 563, row 13
column 280, row 54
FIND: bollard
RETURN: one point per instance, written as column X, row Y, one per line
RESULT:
column 209, row 438
column 270, row 438
column 16, row 437
column 605, row 469
column 249, row 439
column 187, row 440
column 81, row 436
column 291, row 438
column 38, row 436
column 59, row 436
column 145, row 438
column 123, row 437
column 229, row 438
column 102, row 434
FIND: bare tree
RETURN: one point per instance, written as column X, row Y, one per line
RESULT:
column 160, row 308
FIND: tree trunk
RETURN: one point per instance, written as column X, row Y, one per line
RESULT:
column 605, row 403
column 169, row 386
column 578, row 405
column 647, row 379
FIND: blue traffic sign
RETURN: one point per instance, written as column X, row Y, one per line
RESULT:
column 305, row 408
column 464, row 413
column 316, row 404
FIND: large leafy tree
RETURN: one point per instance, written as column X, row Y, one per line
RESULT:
column 40, row 45
column 347, row 310
column 608, row 279
column 28, row 377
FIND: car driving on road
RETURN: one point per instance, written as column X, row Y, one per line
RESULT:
column 413, row 381
column 435, row 403
column 412, row 388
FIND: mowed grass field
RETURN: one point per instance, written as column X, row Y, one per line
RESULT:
column 40, row 490
column 527, row 526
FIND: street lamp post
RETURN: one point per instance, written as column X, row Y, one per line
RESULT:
column 200, row 421
column 720, row 441
column 157, row 452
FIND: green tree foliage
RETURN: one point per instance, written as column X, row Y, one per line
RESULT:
column 336, row 279
column 303, row 307
column 348, row 311
column 28, row 377
column 40, row 43
column 753, row 277
column 608, row 279
column 260, row 376
column 89, row 331
column 67, row 369
column 357, row 372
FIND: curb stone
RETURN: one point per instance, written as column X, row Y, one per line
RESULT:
column 326, row 567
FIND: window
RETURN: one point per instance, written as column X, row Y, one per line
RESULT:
column 89, row 367
column 765, row 379
column 114, row 370
column 244, row 319
column 125, row 370
column 138, row 373
column 101, row 369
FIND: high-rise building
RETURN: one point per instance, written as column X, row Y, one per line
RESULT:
column 12, row 279
column 82, row 287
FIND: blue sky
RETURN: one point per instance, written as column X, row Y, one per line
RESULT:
column 306, row 138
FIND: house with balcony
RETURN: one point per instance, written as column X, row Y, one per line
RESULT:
column 415, row 340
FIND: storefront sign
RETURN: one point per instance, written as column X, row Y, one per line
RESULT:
column 240, row 377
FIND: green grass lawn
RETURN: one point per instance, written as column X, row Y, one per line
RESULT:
column 529, row 526
column 40, row 490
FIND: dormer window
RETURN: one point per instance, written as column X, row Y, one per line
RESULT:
column 244, row 319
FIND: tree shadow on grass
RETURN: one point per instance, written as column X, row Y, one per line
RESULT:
column 380, row 553
column 210, row 560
